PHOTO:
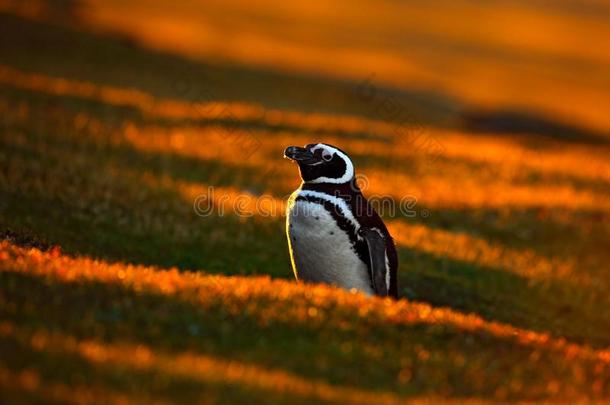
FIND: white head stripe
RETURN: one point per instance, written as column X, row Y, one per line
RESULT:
column 349, row 167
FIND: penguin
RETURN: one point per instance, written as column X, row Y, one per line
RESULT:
column 335, row 236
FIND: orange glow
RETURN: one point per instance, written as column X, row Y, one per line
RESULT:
column 495, row 54
column 239, row 294
column 29, row 381
column 435, row 188
column 461, row 246
column 192, row 365
column 178, row 109
column 140, row 135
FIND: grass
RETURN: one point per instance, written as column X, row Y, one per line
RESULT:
column 237, row 331
column 114, row 290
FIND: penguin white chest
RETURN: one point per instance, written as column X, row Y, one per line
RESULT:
column 320, row 251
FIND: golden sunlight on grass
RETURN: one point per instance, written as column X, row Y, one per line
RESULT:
column 271, row 304
column 461, row 246
column 511, row 155
column 179, row 109
column 203, row 368
column 143, row 253
column 29, row 382
column 242, row 294
column 223, row 200
column 434, row 186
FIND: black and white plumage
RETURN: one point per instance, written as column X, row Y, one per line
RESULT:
column 334, row 234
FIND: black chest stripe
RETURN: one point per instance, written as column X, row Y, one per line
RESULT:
column 343, row 223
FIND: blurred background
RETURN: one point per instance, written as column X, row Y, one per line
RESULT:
column 117, row 118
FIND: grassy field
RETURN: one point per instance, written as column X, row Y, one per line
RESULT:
column 113, row 289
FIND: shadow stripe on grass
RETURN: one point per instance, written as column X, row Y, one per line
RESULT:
column 319, row 314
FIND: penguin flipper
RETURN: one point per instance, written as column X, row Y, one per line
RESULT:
column 379, row 271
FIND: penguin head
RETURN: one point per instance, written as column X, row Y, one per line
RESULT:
column 321, row 163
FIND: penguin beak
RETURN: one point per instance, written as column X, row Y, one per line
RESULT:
column 300, row 155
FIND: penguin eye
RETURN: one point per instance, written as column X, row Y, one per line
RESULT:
column 326, row 155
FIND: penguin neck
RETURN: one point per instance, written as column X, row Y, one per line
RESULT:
column 345, row 189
